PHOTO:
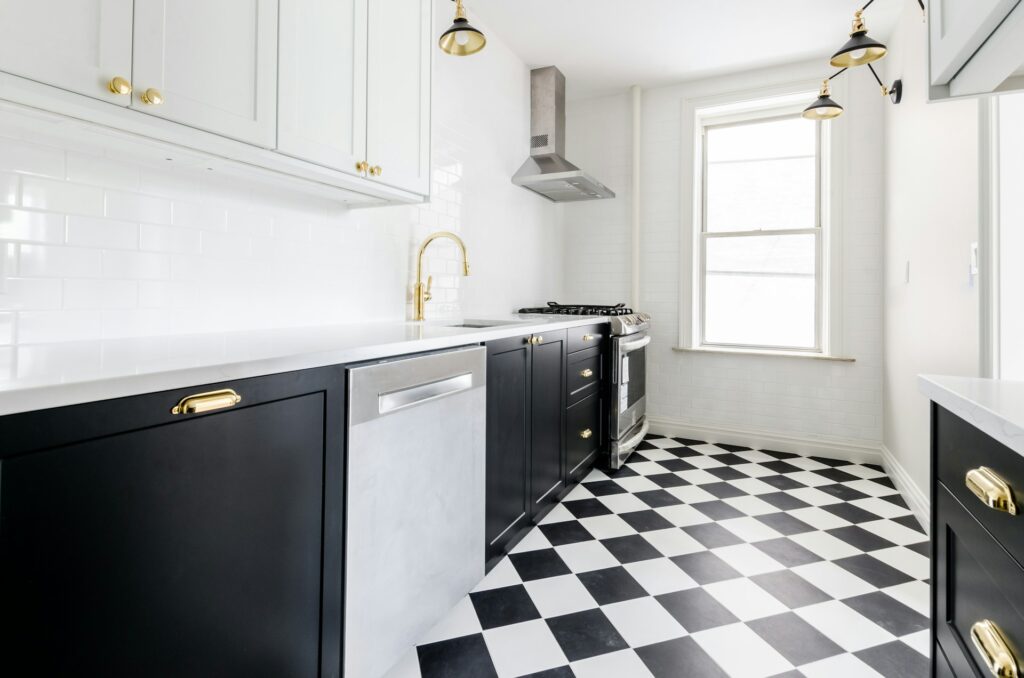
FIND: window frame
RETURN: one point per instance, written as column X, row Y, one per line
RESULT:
column 773, row 103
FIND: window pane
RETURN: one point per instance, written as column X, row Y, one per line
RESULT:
column 783, row 138
column 760, row 291
column 761, row 195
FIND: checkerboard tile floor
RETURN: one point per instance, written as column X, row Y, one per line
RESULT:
column 702, row 560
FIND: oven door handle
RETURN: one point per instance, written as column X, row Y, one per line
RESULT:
column 630, row 346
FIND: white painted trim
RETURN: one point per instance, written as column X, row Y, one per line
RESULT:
column 855, row 451
column 988, row 237
column 635, row 186
column 917, row 499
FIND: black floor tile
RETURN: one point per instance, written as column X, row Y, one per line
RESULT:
column 787, row 552
column 565, row 532
column 922, row 547
column 783, row 501
column 623, row 472
column 850, row 513
column 857, row 536
column 667, row 480
column 873, row 571
column 884, row 482
column 723, row 490
column 504, row 606
column 705, row 567
column 829, row 461
column 688, row 442
column 794, row 638
column 603, row 488
column 539, row 564
column 782, row 482
column 679, row 657
column 696, row 610
column 732, row 448
column 560, row 672
column 631, row 549
column 726, row 473
column 611, row 585
column 585, row 634
column 780, row 466
column 889, row 613
column 790, row 589
column 780, row 455
column 718, row 510
column 712, row 535
column 645, row 521
column 895, row 660
column 586, row 508
column 657, row 498
column 730, row 459
column 910, row 521
column 465, row 657
column 674, row 465
column 840, row 491
column 896, row 500
column 785, row 524
column 836, row 475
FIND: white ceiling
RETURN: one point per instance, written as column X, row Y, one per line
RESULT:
column 605, row 46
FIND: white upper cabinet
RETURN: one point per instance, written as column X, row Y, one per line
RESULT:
column 398, row 100
column 974, row 47
column 77, row 46
column 322, row 82
column 209, row 64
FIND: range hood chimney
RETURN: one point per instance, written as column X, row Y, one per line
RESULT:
column 547, row 172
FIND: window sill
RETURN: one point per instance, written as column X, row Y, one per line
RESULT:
column 765, row 352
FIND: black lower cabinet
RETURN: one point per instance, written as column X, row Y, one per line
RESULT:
column 137, row 542
column 547, row 414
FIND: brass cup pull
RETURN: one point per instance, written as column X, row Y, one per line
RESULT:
column 362, row 167
column 991, row 489
column 120, row 86
column 586, row 434
column 993, row 648
column 207, row 402
column 376, row 171
column 587, row 373
column 589, row 337
column 153, row 97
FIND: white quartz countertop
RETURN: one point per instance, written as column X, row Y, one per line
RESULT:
column 41, row 376
column 994, row 406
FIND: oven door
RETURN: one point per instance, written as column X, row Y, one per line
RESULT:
column 629, row 383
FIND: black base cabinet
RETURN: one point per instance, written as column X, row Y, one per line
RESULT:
column 544, row 428
column 137, row 542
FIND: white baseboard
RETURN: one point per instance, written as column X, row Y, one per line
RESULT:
column 917, row 499
column 825, row 447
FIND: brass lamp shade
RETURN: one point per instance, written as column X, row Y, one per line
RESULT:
column 461, row 39
column 859, row 49
column 823, row 108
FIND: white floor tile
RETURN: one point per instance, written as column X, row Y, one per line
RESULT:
column 920, row 641
column 523, row 648
column 749, row 529
column 809, row 479
column 806, row 463
column 848, row 629
column 621, row 664
column 643, row 621
column 640, row 483
column 559, row 514
column 745, row 599
column 834, row 580
column 672, row 542
column 813, row 496
column 881, row 507
column 660, row 576
column 622, row 503
column 579, row 492
column 746, row 559
column 682, row 515
column 840, row 666
column 825, row 545
column 461, row 620
column 503, row 574
column 586, row 556
column 555, row 596
column 870, row 488
column 691, row 494
column 754, row 470
column 914, row 594
column 658, row 455
column 607, row 527
column 752, row 506
column 818, row 518
column 699, row 477
column 533, row 541
column 894, row 532
column 704, row 462
column 753, row 486
column 741, row 652
column 905, row 560
column 406, row 667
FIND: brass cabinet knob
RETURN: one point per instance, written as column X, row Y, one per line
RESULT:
column 376, row 171
column 152, row 96
column 120, row 86
column 587, row 373
column 589, row 337
column 207, row 402
column 538, row 339
column 994, row 649
column 991, row 489
column 362, row 167
column 586, row 434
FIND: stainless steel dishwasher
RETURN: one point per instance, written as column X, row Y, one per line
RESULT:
column 415, row 500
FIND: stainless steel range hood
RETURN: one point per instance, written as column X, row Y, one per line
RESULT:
column 546, row 171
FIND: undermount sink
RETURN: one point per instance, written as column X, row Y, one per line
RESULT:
column 480, row 324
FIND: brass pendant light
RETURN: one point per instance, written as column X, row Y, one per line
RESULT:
column 823, row 108
column 859, row 49
column 461, row 39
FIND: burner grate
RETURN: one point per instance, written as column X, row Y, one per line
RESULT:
column 554, row 308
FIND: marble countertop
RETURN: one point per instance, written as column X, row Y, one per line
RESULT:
column 40, row 376
column 994, row 406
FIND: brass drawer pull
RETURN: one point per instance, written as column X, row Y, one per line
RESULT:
column 992, row 490
column 589, row 337
column 587, row 373
column 207, row 402
column 586, row 434
column 993, row 648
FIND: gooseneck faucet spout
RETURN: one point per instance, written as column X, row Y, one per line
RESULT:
column 421, row 292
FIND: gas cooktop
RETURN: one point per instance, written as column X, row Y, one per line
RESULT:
column 555, row 308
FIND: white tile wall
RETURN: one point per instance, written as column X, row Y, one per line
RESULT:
column 99, row 245
column 781, row 396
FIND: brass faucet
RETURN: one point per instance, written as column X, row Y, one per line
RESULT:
column 421, row 292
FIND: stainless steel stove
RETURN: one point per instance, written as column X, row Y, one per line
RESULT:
column 627, row 416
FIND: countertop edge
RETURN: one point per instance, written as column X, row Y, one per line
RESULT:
column 982, row 403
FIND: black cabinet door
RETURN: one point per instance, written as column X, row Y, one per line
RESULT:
column 547, row 412
column 191, row 547
column 508, row 444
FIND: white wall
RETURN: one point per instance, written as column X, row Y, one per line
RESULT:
column 931, row 219
column 1011, row 235
column 97, row 244
column 738, row 397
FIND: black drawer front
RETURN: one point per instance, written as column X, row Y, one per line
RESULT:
column 588, row 336
column 975, row 580
column 960, row 448
column 584, row 374
column 583, row 434
column 941, row 664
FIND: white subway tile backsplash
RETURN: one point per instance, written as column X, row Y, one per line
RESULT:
column 226, row 245
column 136, row 265
column 36, row 327
column 137, row 207
column 31, row 226
column 6, row 329
column 60, row 196
column 30, row 293
column 9, row 186
column 58, row 261
column 173, row 239
column 100, row 294
column 195, row 215
column 28, row 158
column 102, row 233
column 90, row 169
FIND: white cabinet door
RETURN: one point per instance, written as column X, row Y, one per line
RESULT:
column 213, row 63
column 957, row 28
column 77, row 45
column 398, row 85
column 322, row 82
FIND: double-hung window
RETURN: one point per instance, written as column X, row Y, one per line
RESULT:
column 763, row 186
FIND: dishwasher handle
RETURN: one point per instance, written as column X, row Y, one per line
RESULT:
column 415, row 395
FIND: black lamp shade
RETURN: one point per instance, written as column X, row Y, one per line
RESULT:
column 858, row 50
column 823, row 108
column 462, row 39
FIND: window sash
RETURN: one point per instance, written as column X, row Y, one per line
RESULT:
column 816, row 231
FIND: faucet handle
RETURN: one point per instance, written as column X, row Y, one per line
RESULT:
column 427, row 296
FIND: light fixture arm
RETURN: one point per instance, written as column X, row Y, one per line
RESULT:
column 919, row 2
column 885, row 90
